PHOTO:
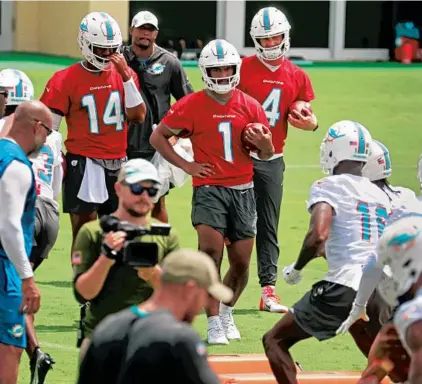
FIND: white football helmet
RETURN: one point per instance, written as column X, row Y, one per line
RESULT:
column 400, row 247
column 99, row 30
column 378, row 166
column 269, row 22
column 220, row 53
column 18, row 84
column 6, row 79
column 345, row 140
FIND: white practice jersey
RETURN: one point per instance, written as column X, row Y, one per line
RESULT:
column 406, row 315
column 404, row 201
column 361, row 210
column 45, row 167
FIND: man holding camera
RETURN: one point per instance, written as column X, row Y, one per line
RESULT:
column 154, row 341
column 106, row 274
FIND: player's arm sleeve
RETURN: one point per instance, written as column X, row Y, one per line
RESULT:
column 178, row 120
column 190, row 353
column 14, row 187
column 372, row 273
column 55, row 96
column 306, row 91
column 57, row 180
column 57, row 119
column 58, row 168
column 179, row 83
column 323, row 191
column 133, row 97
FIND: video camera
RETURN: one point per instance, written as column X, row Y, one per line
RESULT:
column 135, row 253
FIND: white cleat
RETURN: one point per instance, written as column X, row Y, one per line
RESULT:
column 227, row 320
column 216, row 334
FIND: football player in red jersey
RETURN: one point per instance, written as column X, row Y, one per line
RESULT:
column 276, row 83
column 223, row 203
column 96, row 97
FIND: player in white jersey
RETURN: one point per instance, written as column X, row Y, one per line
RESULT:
column 347, row 214
column 400, row 248
column 404, row 202
column 47, row 167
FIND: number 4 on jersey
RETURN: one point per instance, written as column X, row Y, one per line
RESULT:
column 271, row 106
column 113, row 114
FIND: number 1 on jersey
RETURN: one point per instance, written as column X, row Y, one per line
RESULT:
column 381, row 215
column 225, row 128
column 271, row 106
column 113, row 114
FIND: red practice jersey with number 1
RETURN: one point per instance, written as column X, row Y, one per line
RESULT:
column 276, row 91
column 215, row 131
column 93, row 104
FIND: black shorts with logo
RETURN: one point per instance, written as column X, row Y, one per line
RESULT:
column 322, row 310
column 75, row 169
column 230, row 211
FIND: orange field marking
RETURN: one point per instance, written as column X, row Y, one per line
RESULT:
column 255, row 369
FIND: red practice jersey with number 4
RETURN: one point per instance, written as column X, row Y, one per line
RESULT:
column 276, row 91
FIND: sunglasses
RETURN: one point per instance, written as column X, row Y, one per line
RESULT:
column 47, row 128
column 4, row 93
column 138, row 190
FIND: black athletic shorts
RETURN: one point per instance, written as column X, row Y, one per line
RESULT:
column 74, row 175
column 230, row 211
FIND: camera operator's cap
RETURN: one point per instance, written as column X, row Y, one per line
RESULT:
column 144, row 17
column 138, row 170
column 186, row 264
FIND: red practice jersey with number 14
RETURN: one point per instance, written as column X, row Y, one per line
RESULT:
column 276, row 91
column 94, row 108
column 215, row 130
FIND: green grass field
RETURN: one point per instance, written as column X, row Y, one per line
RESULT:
column 387, row 101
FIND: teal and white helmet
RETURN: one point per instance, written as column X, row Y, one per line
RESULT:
column 18, row 85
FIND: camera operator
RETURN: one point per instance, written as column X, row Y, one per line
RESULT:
column 106, row 275
column 154, row 341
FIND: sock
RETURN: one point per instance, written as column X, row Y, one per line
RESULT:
column 265, row 290
column 225, row 309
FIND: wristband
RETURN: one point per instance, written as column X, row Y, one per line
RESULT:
column 133, row 97
column 108, row 252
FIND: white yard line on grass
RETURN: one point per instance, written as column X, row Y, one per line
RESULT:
column 59, row 346
column 316, row 166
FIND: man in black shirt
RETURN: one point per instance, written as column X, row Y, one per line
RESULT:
column 154, row 341
column 161, row 76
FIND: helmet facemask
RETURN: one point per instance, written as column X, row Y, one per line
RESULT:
column 221, row 85
column 88, row 50
column 275, row 52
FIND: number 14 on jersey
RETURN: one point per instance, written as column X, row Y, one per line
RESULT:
column 113, row 114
